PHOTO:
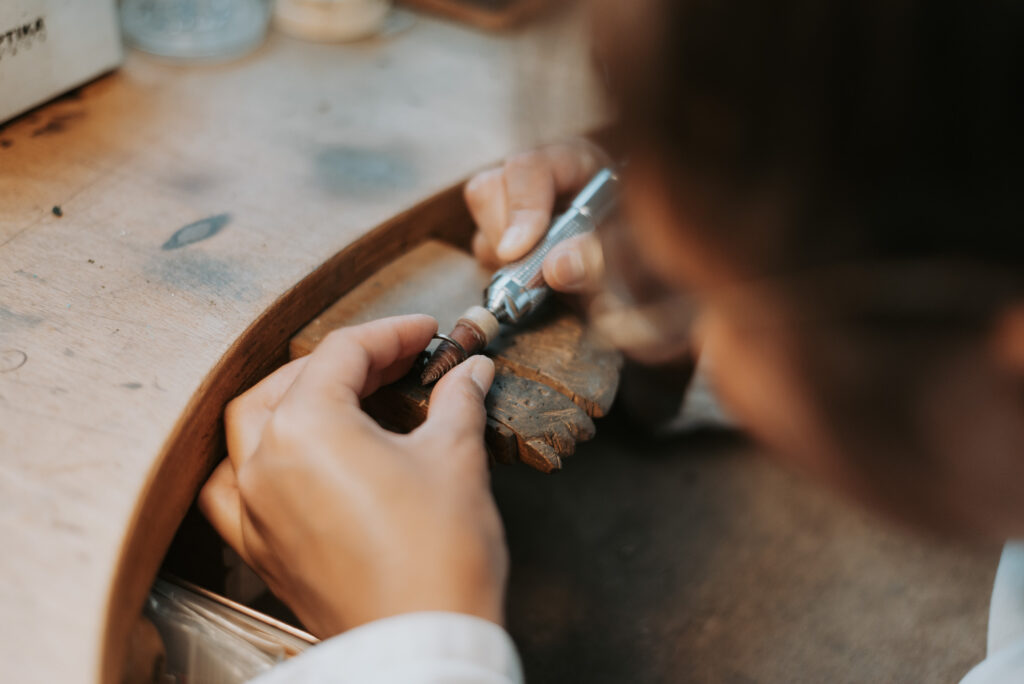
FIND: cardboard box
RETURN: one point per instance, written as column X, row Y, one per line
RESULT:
column 48, row 47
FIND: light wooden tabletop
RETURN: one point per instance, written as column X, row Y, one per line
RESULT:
column 193, row 199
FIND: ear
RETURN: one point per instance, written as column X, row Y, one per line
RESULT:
column 1008, row 340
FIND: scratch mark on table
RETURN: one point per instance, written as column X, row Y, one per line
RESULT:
column 29, row 226
column 58, row 418
column 149, row 327
column 12, row 360
column 32, row 224
column 66, row 525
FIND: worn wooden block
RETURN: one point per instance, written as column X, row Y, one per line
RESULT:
column 557, row 350
column 526, row 421
column 552, row 377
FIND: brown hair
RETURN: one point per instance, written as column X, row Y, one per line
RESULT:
column 870, row 128
column 863, row 136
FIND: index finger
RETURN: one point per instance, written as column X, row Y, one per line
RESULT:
column 532, row 182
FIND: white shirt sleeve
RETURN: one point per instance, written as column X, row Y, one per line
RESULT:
column 1005, row 661
column 415, row 648
column 1003, row 667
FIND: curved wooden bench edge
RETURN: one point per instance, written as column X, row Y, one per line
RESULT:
column 197, row 439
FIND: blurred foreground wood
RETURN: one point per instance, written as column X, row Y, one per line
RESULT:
column 492, row 15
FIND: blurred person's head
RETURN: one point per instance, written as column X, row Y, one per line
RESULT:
column 839, row 182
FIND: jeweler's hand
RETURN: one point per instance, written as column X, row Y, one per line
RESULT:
column 345, row 521
column 512, row 205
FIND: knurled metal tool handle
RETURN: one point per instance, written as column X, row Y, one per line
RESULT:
column 519, row 287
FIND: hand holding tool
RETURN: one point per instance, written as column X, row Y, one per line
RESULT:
column 518, row 289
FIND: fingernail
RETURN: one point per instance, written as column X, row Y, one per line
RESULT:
column 482, row 373
column 568, row 268
column 512, row 241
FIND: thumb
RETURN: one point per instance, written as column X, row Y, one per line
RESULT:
column 457, row 415
column 575, row 265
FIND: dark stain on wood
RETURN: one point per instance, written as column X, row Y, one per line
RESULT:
column 73, row 95
column 13, row 318
column 197, row 232
column 350, row 171
column 57, row 124
column 206, row 275
column 194, row 182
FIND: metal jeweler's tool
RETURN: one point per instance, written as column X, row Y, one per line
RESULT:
column 518, row 288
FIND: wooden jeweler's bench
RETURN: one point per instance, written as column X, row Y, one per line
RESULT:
column 120, row 344
column 290, row 179
column 552, row 379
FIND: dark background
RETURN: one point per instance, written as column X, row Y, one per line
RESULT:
column 696, row 560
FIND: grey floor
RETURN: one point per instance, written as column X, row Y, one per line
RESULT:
column 697, row 560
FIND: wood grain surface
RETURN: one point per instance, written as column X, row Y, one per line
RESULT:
column 551, row 376
column 432, row 278
column 204, row 216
